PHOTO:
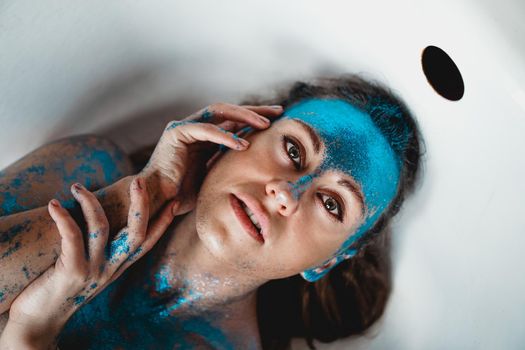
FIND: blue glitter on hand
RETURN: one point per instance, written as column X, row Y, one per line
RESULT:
column 206, row 116
column 79, row 299
column 118, row 247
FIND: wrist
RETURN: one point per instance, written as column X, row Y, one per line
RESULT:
column 18, row 335
column 156, row 196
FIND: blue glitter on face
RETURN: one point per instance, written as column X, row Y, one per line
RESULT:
column 300, row 186
column 355, row 146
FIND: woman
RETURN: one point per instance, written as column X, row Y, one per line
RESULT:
column 310, row 192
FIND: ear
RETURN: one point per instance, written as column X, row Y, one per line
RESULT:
column 317, row 272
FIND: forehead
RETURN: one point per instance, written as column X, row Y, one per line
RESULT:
column 354, row 146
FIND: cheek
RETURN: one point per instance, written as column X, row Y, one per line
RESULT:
column 314, row 238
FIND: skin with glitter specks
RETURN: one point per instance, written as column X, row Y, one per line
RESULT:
column 34, row 180
column 355, row 146
column 198, row 286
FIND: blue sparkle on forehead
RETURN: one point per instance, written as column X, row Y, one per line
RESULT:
column 355, row 146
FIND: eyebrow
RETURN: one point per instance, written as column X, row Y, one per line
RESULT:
column 314, row 138
column 355, row 190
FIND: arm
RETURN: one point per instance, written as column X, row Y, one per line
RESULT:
column 30, row 241
column 82, row 270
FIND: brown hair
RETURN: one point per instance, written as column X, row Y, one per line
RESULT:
column 354, row 294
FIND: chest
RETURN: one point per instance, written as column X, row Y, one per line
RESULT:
column 135, row 320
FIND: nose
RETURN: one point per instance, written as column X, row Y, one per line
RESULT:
column 281, row 196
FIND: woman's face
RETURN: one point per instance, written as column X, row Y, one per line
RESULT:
column 298, row 231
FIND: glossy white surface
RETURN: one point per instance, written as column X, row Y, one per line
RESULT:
column 459, row 284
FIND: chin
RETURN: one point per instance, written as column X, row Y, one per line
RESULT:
column 218, row 234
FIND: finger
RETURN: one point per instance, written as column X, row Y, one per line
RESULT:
column 156, row 229
column 195, row 132
column 72, row 245
column 132, row 236
column 96, row 220
column 138, row 215
column 219, row 112
column 267, row 111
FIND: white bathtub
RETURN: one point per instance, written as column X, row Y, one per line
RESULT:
column 459, row 271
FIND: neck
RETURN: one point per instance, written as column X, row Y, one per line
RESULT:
column 197, row 284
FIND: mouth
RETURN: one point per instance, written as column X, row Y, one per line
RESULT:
column 247, row 218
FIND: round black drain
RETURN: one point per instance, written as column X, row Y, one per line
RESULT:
column 442, row 73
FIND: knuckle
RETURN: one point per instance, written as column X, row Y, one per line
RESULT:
column 217, row 106
column 210, row 127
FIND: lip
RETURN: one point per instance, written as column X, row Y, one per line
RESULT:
column 245, row 221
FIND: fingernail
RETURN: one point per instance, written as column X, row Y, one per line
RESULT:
column 264, row 120
column 243, row 142
column 55, row 203
column 276, row 107
column 78, row 187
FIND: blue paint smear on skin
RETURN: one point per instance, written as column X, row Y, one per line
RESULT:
column 9, row 200
column 119, row 246
column 135, row 254
column 107, row 163
column 206, row 116
column 93, row 160
column 16, row 183
column 26, row 272
column 162, row 280
column 177, row 123
column 10, row 204
column 37, row 169
column 93, row 286
column 11, row 250
column 79, row 299
column 14, row 231
column 355, row 146
column 2, row 297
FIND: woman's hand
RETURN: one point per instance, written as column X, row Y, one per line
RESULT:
column 39, row 313
column 177, row 166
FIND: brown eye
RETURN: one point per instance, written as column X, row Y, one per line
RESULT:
column 331, row 204
column 293, row 152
